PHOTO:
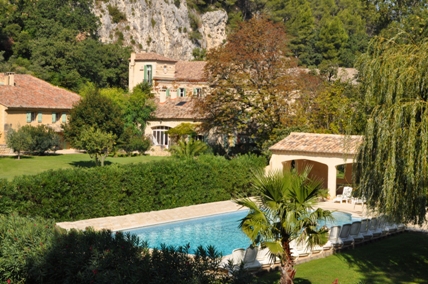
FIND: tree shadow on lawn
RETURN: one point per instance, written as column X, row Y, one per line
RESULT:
column 26, row 157
column 87, row 164
column 397, row 259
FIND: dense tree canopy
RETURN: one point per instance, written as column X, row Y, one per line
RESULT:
column 251, row 81
column 94, row 110
column 392, row 164
column 57, row 41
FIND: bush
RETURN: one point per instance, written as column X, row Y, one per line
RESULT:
column 34, row 139
column 104, row 257
column 32, row 250
column 77, row 194
column 22, row 239
column 116, row 15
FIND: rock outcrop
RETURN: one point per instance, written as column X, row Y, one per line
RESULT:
column 161, row 26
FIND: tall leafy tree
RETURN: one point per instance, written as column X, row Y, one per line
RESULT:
column 392, row 166
column 94, row 110
column 283, row 211
column 18, row 140
column 250, row 80
column 139, row 107
column 97, row 143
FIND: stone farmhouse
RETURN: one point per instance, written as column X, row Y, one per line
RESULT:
column 27, row 100
column 174, row 83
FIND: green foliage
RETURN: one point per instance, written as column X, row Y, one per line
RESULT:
column 97, row 143
column 182, row 131
column 94, row 110
column 139, row 108
column 199, row 54
column 116, row 15
column 34, row 139
column 22, row 239
column 33, row 250
column 392, row 163
column 282, row 211
column 58, row 42
column 18, row 141
column 43, row 138
column 89, row 256
column 118, row 190
column 131, row 141
column 188, row 149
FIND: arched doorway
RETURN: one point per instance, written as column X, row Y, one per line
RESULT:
column 160, row 137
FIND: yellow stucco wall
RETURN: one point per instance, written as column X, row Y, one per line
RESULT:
column 15, row 118
column 160, row 69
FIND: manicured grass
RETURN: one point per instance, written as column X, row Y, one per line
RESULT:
column 402, row 258
column 30, row 165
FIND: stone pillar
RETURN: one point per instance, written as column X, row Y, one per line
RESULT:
column 331, row 181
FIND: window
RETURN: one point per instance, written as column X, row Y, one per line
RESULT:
column 56, row 117
column 31, row 116
column 197, row 92
column 148, row 74
column 181, row 92
column 159, row 135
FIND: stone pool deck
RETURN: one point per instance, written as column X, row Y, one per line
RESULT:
column 182, row 213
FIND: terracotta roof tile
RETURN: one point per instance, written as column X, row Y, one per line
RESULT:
column 319, row 143
column 190, row 71
column 179, row 108
column 31, row 92
column 153, row 56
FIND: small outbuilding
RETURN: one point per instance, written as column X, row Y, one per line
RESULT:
column 330, row 156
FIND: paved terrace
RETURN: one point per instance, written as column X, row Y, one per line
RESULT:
column 182, row 213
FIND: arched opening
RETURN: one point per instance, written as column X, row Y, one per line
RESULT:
column 318, row 171
column 343, row 176
column 159, row 136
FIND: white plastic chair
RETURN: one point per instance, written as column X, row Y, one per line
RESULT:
column 345, row 196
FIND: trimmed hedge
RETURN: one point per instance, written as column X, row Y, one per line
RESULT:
column 33, row 250
column 67, row 195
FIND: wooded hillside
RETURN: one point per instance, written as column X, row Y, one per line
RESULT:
column 57, row 40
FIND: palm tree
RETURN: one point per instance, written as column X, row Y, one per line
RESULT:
column 284, row 211
column 188, row 149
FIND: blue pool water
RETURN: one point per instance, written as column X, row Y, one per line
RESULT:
column 219, row 230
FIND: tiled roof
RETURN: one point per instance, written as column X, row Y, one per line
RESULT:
column 319, row 143
column 31, row 92
column 153, row 56
column 179, row 108
column 190, row 70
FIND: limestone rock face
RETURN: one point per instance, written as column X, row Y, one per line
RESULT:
column 161, row 26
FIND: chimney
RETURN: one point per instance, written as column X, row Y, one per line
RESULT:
column 162, row 97
column 9, row 79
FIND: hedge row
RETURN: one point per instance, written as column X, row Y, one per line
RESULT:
column 33, row 250
column 67, row 195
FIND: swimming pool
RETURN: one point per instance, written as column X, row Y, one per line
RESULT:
column 219, row 230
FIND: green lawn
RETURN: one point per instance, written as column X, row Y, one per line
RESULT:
column 30, row 165
column 402, row 258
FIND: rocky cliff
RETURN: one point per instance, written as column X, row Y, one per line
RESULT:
column 161, row 26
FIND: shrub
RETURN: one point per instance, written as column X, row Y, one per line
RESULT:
column 34, row 139
column 104, row 257
column 125, row 189
column 22, row 239
column 116, row 15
